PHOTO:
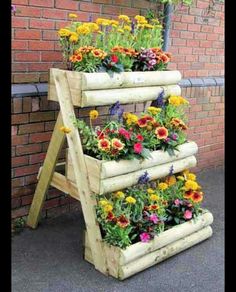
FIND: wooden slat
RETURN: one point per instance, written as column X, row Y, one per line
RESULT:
column 88, row 201
column 55, row 145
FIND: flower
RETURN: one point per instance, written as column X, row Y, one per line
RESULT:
column 163, row 186
column 73, row 15
column 142, row 122
column 154, row 218
column 122, row 221
column 138, row 148
column 150, row 191
column 125, row 18
column 161, row 133
column 130, row 118
column 144, row 237
column 108, row 208
column 144, row 178
column 188, row 194
column 110, row 216
column 187, row 214
column 130, row 200
column 197, row 197
column 65, row 130
column 180, row 177
column 104, row 144
column 76, row 58
column 153, row 110
column 114, row 58
column 190, row 185
column 117, row 144
column 119, row 195
column 127, row 27
column 177, row 202
column 154, row 197
column 153, row 207
column 103, row 202
column 139, row 137
column 63, row 32
column 74, row 38
column 124, row 133
column 171, row 180
column 178, row 123
column 191, row 176
column 93, row 114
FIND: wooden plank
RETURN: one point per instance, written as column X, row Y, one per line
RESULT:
column 164, row 253
column 55, row 145
column 127, row 180
column 88, row 200
column 91, row 81
column 60, row 167
column 126, row 95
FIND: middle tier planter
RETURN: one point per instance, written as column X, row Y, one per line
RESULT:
column 110, row 176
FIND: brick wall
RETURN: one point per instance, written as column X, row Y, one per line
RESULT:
column 197, row 39
column 33, row 119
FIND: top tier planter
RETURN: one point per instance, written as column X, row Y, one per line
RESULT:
column 95, row 89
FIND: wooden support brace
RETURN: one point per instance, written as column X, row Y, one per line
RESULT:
column 56, row 143
column 87, row 198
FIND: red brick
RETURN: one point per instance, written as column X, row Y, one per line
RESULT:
column 20, row 2
column 20, row 22
column 218, row 30
column 20, row 160
column 212, row 37
column 26, row 170
column 19, row 140
column 20, row 212
column 186, row 34
column 200, row 35
column 182, row 66
column 205, row 44
column 179, row 42
column 37, row 158
column 19, row 67
column 42, row 24
column 194, row 27
column 50, row 35
column 17, row 105
column 66, row 4
column 90, row 7
column 130, row 11
column 28, row 149
column 26, row 200
column 15, row 203
column 109, row 9
column 55, row 14
column 19, row 119
column 40, row 137
column 206, row 28
column 199, row 51
column 51, row 203
column 30, row 11
column 202, row 4
column 30, row 179
column 29, row 56
column 190, row 73
column 185, row 51
column 31, row 34
column 41, row 116
column 187, row 18
column 41, row 45
column 19, row 45
column 43, row 3
column 39, row 66
column 26, row 78
column 180, row 26
column 105, row 1
column 17, row 182
column 195, row 11
column 193, row 43
column 31, row 128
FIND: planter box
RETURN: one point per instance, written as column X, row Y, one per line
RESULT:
column 109, row 176
column 123, row 263
column 95, row 89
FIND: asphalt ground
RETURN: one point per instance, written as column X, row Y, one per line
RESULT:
column 50, row 258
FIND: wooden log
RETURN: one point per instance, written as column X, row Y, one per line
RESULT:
column 123, row 181
column 91, row 81
column 177, row 232
column 126, row 95
column 114, row 168
column 164, row 253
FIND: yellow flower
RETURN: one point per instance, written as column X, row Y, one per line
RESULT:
column 130, row 200
column 103, row 21
column 63, row 32
column 148, row 25
column 130, row 118
column 114, row 22
column 183, row 100
column 108, row 208
column 171, row 180
column 174, row 100
column 127, row 27
column 83, row 29
column 73, row 15
column 119, row 195
column 74, row 38
column 154, row 197
column 191, row 185
column 125, row 18
column 93, row 114
column 162, row 186
column 140, row 18
column 117, row 144
column 180, row 177
column 65, row 130
column 153, row 110
column 103, row 202
column 150, row 191
column 120, row 30
column 191, row 176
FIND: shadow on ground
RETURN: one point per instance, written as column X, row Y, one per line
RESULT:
column 51, row 258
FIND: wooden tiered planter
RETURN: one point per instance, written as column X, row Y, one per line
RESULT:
column 86, row 176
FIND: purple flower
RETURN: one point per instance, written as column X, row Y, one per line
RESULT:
column 154, row 218
column 159, row 102
column 132, row 27
column 171, row 170
column 174, row 136
column 143, row 179
column 144, row 237
column 114, row 108
column 13, row 8
column 167, row 140
column 152, row 62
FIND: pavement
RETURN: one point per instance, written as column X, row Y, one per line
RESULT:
column 50, row 258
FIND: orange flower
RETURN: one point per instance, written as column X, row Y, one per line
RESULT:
column 104, row 145
column 153, row 207
column 117, row 144
column 142, row 122
column 197, row 197
column 178, row 123
column 164, row 58
column 188, row 194
column 122, row 221
column 171, row 180
column 97, row 53
column 161, row 132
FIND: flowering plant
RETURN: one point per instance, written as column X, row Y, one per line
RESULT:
column 90, row 46
column 140, row 212
column 132, row 136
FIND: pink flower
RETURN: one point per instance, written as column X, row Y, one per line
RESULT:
column 177, row 202
column 187, row 214
column 145, row 237
column 139, row 137
column 124, row 133
column 153, row 218
column 138, row 148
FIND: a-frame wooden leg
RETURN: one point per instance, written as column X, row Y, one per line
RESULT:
column 55, row 145
column 88, row 201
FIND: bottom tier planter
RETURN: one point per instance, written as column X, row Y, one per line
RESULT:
column 123, row 263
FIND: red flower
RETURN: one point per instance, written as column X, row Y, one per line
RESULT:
column 138, row 148
column 122, row 221
column 100, row 135
column 139, row 137
column 110, row 216
column 142, row 122
column 114, row 59
column 161, row 132
column 124, row 133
